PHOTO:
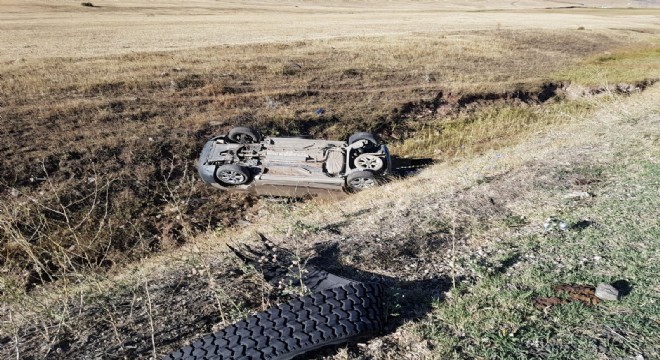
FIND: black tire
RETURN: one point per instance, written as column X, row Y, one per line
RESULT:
column 360, row 180
column 244, row 135
column 363, row 136
column 232, row 175
column 304, row 324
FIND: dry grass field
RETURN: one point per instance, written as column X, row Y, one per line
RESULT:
column 103, row 111
column 38, row 29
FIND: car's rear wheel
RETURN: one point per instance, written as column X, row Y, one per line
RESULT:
column 363, row 136
column 243, row 135
column 232, row 175
column 361, row 180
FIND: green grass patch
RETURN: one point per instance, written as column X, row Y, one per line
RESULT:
column 625, row 66
column 488, row 128
column 494, row 316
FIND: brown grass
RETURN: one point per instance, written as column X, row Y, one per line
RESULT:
column 97, row 144
column 38, row 29
column 379, row 231
column 98, row 151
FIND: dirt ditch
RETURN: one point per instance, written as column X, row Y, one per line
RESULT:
column 153, row 195
column 405, row 119
column 110, row 178
column 411, row 260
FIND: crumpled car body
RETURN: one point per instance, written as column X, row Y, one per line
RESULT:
column 292, row 166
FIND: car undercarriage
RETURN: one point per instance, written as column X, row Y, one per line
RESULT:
column 243, row 161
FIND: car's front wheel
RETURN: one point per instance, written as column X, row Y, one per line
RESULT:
column 231, row 175
column 361, row 180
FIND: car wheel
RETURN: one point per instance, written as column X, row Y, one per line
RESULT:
column 362, row 136
column 232, row 175
column 361, row 180
column 243, row 135
column 369, row 162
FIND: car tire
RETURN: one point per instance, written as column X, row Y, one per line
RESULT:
column 307, row 323
column 360, row 180
column 232, row 175
column 362, row 136
column 243, row 135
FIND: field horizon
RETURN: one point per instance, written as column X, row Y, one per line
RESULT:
column 32, row 29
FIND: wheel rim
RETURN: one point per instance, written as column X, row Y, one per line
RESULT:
column 231, row 177
column 369, row 162
column 362, row 183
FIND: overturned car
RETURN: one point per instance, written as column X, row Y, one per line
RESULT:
column 290, row 166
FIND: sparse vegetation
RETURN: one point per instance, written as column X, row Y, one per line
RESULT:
column 489, row 128
column 629, row 66
column 105, row 229
column 619, row 244
column 134, row 134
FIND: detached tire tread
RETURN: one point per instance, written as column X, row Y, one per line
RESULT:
column 303, row 324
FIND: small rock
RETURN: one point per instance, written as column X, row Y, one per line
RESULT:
column 552, row 223
column 14, row 192
column 607, row 292
column 577, row 195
